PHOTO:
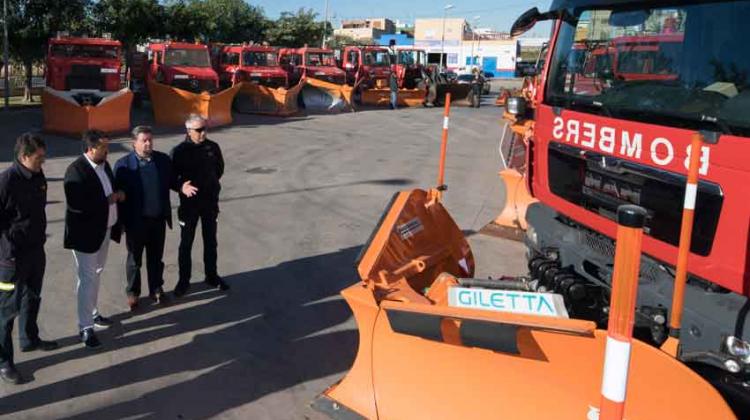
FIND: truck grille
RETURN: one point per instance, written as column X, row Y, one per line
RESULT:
column 84, row 76
column 195, row 85
column 272, row 82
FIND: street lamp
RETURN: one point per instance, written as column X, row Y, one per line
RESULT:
column 473, row 39
column 5, row 55
column 442, row 37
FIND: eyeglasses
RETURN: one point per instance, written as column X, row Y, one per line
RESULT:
column 199, row 129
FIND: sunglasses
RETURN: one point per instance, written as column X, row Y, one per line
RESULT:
column 199, row 129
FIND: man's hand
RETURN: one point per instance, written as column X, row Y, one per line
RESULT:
column 188, row 189
column 116, row 197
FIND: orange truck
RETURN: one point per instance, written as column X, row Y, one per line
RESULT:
column 435, row 342
column 84, row 86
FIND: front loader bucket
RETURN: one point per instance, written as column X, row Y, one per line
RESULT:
column 434, row 354
column 382, row 97
column 63, row 114
column 172, row 106
column 460, row 93
column 319, row 95
column 257, row 99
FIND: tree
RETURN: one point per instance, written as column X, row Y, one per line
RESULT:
column 33, row 22
column 228, row 21
column 129, row 21
column 296, row 30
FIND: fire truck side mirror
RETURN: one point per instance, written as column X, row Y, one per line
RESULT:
column 525, row 22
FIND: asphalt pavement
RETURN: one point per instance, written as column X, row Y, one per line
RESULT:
column 300, row 196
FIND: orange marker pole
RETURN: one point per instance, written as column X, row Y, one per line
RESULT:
column 672, row 345
column 444, row 146
column 630, row 221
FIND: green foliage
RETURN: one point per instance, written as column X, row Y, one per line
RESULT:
column 296, row 30
column 228, row 21
column 129, row 21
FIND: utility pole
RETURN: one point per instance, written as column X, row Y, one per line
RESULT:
column 6, row 55
column 325, row 26
column 442, row 36
column 474, row 40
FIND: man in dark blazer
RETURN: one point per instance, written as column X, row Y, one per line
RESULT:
column 90, row 221
column 144, row 175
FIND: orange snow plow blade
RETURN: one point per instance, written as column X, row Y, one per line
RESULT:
column 382, row 97
column 64, row 114
column 319, row 95
column 172, row 106
column 257, row 99
column 431, row 348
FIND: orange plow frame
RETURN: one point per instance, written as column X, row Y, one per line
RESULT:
column 421, row 357
column 63, row 115
column 172, row 106
column 382, row 97
column 256, row 99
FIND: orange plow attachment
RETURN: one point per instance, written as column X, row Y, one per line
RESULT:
column 434, row 345
column 172, row 106
column 257, row 99
column 319, row 95
column 64, row 114
column 382, row 97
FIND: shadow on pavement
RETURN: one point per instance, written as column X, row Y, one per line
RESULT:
column 275, row 329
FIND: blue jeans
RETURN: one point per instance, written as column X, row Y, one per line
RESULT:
column 394, row 99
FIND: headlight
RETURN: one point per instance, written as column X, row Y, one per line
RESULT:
column 738, row 348
column 516, row 105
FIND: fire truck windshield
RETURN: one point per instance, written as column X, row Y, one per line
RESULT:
column 187, row 57
column 377, row 58
column 321, row 59
column 85, row 51
column 258, row 58
column 684, row 66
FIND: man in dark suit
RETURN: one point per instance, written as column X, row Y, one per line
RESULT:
column 90, row 221
column 144, row 175
column 23, row 225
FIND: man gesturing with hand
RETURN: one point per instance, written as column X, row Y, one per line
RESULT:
column 197, row 167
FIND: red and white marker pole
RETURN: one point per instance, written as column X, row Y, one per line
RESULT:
column 630, row 220
column 444, row 146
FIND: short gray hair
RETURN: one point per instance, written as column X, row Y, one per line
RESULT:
column 141, row 129
column 194, row 118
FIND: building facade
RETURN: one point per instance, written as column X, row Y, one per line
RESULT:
column 370, row 28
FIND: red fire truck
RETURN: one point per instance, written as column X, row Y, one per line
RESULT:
column 182, row 65
column 684, row 68
column 308, row 62
column 84, row 63
column 366, row 64
column 257, row 64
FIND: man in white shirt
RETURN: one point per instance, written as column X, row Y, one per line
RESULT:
column 90, row 220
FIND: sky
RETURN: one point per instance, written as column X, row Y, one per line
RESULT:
column 496, row 14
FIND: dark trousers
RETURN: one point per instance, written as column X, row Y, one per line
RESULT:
column 188, row 225
column 476, row 93
column 23, row 302
column 150, row 236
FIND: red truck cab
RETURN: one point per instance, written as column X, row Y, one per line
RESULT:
column 308, row 62
column 366, row 65
column 683, row 69
column 84, row 63
column 251, row 64
column 182, row 65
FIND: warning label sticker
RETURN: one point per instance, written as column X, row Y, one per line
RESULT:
column 410, row 228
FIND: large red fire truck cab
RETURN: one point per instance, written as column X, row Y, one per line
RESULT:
column 308, row 62
column 683, row 68
column 84, row 63
column 367, row 64
column 182, row 65
column 249, row 63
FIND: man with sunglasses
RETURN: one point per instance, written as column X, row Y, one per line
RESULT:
column 197, row 167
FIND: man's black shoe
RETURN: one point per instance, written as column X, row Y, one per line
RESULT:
column 181, row 290
column 88, row 337
column 102, row 322
column 160, row 297
column 40, row 344
column 10, row 375
column 218, row 283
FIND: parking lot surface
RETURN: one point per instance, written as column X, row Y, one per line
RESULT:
column 300, row 196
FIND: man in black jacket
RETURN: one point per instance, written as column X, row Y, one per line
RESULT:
column 90, row 221
column 197, row 166
column 23, row 225
column 145, row 175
